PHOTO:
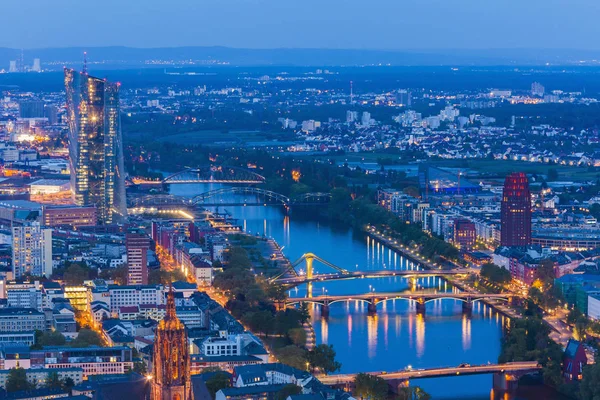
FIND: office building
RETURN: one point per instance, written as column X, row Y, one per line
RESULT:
column 93, row 360
column 537, row 89
column 24, row 295
column 69, row 215
column 37, row 66
column 126, row 296
column 404, row 98
column 137, row 244
column 21, row 320
column 32, row 250
column 95, row 145
column 12, row 66
column 31, row 109
column 465, row 234
column 515, row 211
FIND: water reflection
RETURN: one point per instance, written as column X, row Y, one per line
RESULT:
column 396, row 337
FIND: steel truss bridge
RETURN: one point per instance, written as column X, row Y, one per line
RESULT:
column 208, row 174
column 218, row 197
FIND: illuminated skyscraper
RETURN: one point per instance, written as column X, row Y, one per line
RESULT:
column 95, row 145
column 516, row 211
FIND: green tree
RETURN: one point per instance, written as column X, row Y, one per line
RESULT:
column 412, row 191
column 53, row 381
column 292, row 356
column 369, row 386
column 546, row 274
column 87, row 338
column 413, row 393
column 52, row 338
column 589, row 389
column 220, row 380
column 495, row 274
column 323, row 357
column 140, row 367
column 552, row 174
column 75, row 274
column 297, row 336
column 68, row 384
column 288, row 390
column 17, row 380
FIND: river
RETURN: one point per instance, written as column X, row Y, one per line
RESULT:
column 396, row 337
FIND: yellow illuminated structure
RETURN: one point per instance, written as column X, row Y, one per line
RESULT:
column 171, row 358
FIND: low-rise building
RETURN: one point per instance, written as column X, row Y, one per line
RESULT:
column 39, row 376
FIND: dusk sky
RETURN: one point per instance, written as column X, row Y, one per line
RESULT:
column 373, row 24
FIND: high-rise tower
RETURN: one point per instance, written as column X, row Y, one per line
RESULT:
column 171, row 358
column 516, row 211
column 137, row 244
column 95, row 145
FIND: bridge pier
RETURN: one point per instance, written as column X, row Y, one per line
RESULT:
column 504, row 383
column 372, row 308
column 420, row 306
column 467, row 307
column 325, row 311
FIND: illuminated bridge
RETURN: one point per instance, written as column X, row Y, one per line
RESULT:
column 295, row 278
column 223, row 197
column 300, row 279
column 420, row 299
column 208, row 174
column 505, row 375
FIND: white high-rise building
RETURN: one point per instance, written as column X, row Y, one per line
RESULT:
column 351, row 116
column 13, row 66
column 32, row 250
column 365, row 119
column 37, row 66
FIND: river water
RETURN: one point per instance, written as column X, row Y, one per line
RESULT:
column 396, row 337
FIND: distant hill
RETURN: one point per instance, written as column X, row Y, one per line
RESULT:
column 120, row 57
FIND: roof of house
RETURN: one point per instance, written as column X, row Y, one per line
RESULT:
column 248, row 390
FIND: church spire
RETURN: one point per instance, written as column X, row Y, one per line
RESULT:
column 171, row 357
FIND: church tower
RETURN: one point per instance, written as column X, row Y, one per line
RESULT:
column 171, row 359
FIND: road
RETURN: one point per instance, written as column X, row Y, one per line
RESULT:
column 410, row 374
column 379, row 297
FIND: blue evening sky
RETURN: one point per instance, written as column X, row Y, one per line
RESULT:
column 367, row 24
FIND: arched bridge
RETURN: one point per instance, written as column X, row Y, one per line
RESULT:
column 219, row 197
column 258, row 197
column 208, row 174
column 372, row 299
column 463, row 369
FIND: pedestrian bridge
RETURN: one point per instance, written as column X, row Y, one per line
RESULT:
column 207, row 174
column 409, row 374
column 225, row 197
column 298, row 280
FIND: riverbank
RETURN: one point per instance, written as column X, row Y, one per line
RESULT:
column 430, row 265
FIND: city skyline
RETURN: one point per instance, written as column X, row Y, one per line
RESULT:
column 432, row 24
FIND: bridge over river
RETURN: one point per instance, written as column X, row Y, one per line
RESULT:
column 420, row 299
column 505, row 375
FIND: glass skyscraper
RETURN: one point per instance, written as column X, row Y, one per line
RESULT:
column 95, row 145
